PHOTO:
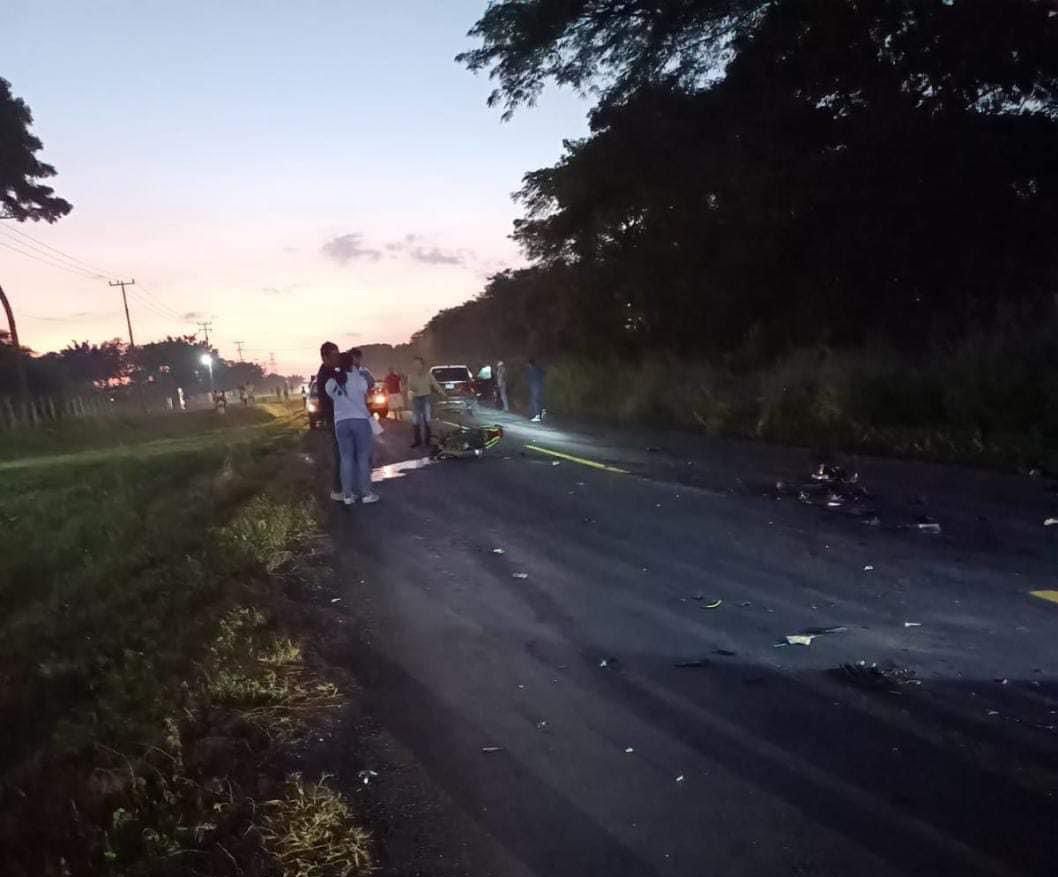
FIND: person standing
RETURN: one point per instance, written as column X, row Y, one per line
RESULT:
column 347, row 389
column 394, row 396
column 534, row 377
column 421, row 385
column 357, row 356
column 501, row 384
column 331, row 360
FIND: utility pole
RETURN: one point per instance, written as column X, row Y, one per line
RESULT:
column 238, row 347
column 205, row 327
column 20, row 366
column 125, row 301
column 272, row 362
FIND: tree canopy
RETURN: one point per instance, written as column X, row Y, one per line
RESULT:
column 784, row 173
column 22, row 195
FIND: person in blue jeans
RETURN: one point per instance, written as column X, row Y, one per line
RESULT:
column 347, row 389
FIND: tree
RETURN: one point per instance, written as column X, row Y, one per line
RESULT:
column 22, row 195
column 798, row 172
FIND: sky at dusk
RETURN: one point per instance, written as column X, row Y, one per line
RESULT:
column 289, row 171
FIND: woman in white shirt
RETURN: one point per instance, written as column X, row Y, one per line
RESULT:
column 352, row 427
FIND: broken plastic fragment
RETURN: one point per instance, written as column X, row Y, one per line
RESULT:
column 912, row 624
column 799, row 639
column 1051, row 522
column 629, row 750
column 498, row 551
column 679, row 779
column 336, row 599
column 926, row 524
column 608, row 662
column 713, row 605
column 520, row 575
column 868, row 568
column 488, row 750
column 365, row 776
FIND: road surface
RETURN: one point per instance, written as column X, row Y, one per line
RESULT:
column 521, row 622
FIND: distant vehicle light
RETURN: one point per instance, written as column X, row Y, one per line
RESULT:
column 312, row 406
column 380, row 399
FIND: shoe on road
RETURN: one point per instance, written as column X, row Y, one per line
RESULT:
column 370, row 498
column 537, row 419
column 349, row 500
column 337, row 495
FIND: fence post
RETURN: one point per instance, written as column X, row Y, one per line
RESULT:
column 51, row 408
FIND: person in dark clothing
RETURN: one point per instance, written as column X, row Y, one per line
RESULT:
column 331, row 363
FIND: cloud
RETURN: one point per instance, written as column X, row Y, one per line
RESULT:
column 346, row 248
column 194, row 316
column 412, row 245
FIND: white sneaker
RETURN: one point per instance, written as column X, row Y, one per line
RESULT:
column 349, row 500
column 337, row 495
column 369, row 498
column 536, row 419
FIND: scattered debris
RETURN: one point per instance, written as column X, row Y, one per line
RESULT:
column 1051, row 522
column 797, row 639
column 365, row 776
column 991, row 712
column 713, row 605
column 610, row 663
column 1052, row 596
column 498, row 551
column 629, row 750
column 1003, row 681
column 912, row 624
column 520, row 575
column 541, row 724
column 727, row 653
column 336, row 599
column 868, row 568
column 695, row 663
column 926, row 524
column 488, row 750
column 556, row 462
column 880, row 677
column 679, row 779
column 830, row 487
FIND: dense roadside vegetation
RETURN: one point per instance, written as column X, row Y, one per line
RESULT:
column 156, row 678
column 804, row 220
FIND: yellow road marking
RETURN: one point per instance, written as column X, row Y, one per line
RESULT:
column 1046, row 595
column 573, row 459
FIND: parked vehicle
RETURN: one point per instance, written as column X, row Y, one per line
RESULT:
column 458, row 384
column 312, row 405
column 378, row 400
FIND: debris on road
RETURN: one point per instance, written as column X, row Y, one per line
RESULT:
column 680, row 778
column 498, row 551
column 879, row 677
column 629, row 750
column 488, row 750
column 926, row 524
column 336, row 599
column 797, row 639
column 608, row 663
column 556, row 462
column 365, row 776
column 833, row 488
column 1050, row 522
column 520, row 575
column 713, row 605
column 912, row 624
column 868, row 568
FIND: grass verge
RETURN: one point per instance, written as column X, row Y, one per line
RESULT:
column 156, row 681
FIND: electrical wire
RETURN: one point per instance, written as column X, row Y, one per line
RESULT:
column 29, row 254
column 37, row 244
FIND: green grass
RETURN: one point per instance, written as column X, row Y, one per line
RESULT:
column 992, row 400
column 138, row 625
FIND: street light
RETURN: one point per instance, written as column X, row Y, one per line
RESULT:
column 207, row 361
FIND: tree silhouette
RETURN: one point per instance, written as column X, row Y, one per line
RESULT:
column 22, row 195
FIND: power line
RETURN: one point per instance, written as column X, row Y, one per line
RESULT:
column 39, row 243
column 238, row 348
column 205, row 326
column 157, row 300
column 36, row 257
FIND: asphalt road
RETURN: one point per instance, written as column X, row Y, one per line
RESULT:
column 520, row 622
